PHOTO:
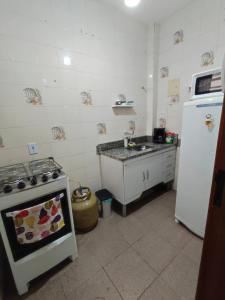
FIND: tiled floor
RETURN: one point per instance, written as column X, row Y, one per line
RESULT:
column 145, row 256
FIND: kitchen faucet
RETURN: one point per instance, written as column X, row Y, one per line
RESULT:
column 129, row 135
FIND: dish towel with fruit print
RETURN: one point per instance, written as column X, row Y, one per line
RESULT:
column 38, row 222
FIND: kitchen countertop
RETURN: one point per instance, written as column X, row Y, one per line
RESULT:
column 124, row 154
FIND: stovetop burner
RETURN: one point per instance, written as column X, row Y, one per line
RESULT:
column 43, row 166
column 13, row 173
column 27, row 175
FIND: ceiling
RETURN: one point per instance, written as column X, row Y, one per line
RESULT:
column 151, row 10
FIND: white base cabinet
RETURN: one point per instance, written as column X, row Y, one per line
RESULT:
column 127, row 180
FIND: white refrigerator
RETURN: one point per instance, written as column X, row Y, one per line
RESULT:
column 201, row 121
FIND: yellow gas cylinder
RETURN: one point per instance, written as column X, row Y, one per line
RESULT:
column 85, row 209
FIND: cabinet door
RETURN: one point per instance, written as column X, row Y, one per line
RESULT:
column 169, row 163
column 134, row 180
column 153, row 171
column 112, row 177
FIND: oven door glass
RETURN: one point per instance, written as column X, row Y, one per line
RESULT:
column 37, row 223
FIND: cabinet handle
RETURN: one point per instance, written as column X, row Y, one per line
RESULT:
column 143, row 176
column 148, row 174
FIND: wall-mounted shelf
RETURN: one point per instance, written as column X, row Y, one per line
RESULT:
column 123, row 106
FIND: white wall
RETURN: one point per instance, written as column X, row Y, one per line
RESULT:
column 109, row 57
column 152, row 76
column 203, row 24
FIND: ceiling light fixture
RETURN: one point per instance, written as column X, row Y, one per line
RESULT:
column 67, row 60
column 132, row 3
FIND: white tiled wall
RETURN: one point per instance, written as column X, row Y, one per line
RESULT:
column 109, row 57
column 152, row 76
column 203, row 24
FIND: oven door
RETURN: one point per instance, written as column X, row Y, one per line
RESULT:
column 36, row 223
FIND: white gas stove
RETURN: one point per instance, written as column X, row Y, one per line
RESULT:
column 36, row 221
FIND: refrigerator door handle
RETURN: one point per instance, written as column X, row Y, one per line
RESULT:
column 143, row 176
column 220, row 184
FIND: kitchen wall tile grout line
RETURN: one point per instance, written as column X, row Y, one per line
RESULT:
column 112, row 282
column 172, row 260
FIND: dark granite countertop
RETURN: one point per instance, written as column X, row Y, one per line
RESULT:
column 123, row 154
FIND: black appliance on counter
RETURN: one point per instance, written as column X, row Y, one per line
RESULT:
column 159, row 136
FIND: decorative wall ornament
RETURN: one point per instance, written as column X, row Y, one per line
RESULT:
column 178, row 37
column 164, row 72
column 207, row 58
column 86, row 98
column 1, row 142
column 58, row 133
column 101, row 127
column 162, row 123
column 33, row 96
column 131, row 125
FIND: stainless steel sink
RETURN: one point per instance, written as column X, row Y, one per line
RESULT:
column 143, row 148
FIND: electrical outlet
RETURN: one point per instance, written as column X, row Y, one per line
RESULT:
column 32, row 148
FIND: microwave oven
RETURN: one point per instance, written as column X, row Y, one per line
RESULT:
column 208, row 83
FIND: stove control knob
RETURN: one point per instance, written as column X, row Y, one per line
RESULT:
column 44, row 178
column 55, row 175
column 21, row 185
column 33, row 180
column 7, row 189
